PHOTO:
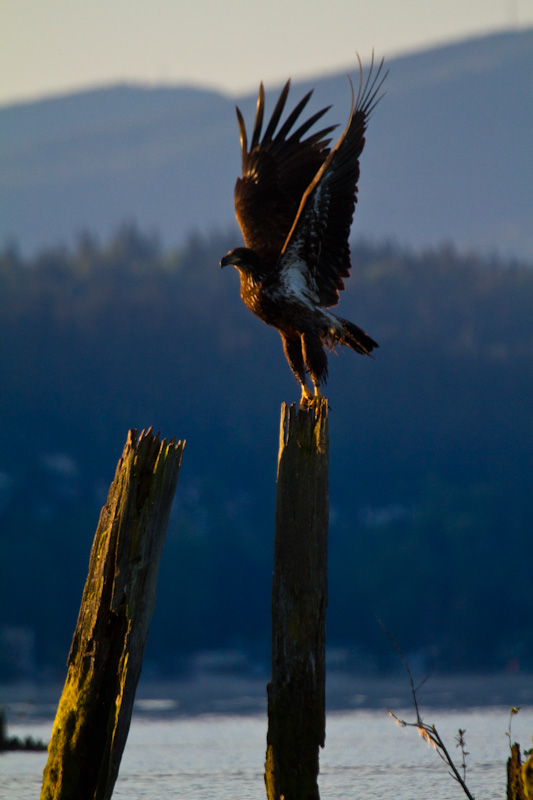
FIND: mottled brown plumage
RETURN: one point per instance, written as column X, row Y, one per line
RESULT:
column 295, row 203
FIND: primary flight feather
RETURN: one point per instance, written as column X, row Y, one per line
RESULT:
column 294, row 204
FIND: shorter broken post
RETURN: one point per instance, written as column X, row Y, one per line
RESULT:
column 296, row 693
column 519, row 776
column 105, row 660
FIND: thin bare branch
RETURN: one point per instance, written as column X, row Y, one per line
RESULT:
column 429, row 732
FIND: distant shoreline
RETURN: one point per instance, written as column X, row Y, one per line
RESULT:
column 233, row 693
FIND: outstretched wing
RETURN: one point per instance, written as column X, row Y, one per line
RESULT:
column 276, row 171
column 317, row 246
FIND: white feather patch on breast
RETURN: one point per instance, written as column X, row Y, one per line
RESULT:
column 295, row 281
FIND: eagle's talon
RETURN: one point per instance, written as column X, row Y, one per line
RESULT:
column 308, row 398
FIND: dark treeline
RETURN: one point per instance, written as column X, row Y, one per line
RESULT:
column 431, row 448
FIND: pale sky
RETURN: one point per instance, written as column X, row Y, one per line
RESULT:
column 55, row 46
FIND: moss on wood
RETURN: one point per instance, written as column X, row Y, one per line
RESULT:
column 105, row 659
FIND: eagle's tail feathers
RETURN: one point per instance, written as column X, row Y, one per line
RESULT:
column 354, row 337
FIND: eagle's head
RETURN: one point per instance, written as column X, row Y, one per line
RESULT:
column 245, row 260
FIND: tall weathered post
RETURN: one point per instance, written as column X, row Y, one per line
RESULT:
column 104, row 665
column 296, row 694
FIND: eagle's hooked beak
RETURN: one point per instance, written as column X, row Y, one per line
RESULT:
column 225, row 261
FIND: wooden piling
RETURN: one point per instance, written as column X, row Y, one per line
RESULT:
column 105, row 660
column 519, row 776
column 296, row 694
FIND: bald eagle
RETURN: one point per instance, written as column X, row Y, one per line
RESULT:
column 294, row 204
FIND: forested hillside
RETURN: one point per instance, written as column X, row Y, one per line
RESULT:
column 431, row 447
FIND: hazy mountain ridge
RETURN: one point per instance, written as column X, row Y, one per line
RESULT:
column 447, row 156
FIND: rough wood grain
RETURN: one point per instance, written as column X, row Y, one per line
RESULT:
column 519, row 776
column 296, row 694
column 105, row 660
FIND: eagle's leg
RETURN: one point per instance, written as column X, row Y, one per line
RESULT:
column 316, row 362
column 318, row 394
column 308, row 398
column 292, row 347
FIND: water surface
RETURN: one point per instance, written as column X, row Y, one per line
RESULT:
column 220, row 756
